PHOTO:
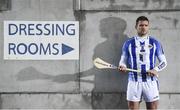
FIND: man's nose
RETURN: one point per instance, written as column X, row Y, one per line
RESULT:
column 144, row 27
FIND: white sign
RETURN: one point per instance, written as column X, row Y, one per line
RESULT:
column 41, row 40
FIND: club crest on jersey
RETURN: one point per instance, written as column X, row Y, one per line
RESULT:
column 150, row 46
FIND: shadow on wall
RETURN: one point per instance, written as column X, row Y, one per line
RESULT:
column 112, row 29
column 106, row 80
column 108, row 84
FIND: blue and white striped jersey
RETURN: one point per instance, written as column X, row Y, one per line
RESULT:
column 141, row 53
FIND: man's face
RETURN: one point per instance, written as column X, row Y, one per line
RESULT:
column 142, row 28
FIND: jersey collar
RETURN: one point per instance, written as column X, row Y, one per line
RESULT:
column 142, row 38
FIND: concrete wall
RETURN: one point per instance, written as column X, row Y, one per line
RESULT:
column 104, row 26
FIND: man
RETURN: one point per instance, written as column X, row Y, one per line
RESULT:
column 140, row 52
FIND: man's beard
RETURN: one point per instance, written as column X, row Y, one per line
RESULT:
column 142, row 33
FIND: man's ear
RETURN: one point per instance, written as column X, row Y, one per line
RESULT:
column 136, row 26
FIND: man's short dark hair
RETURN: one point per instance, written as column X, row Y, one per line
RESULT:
column 141, row 18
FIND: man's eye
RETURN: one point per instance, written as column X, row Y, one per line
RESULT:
column 143, row 25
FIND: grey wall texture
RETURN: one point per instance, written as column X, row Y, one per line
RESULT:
column 104, row 26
